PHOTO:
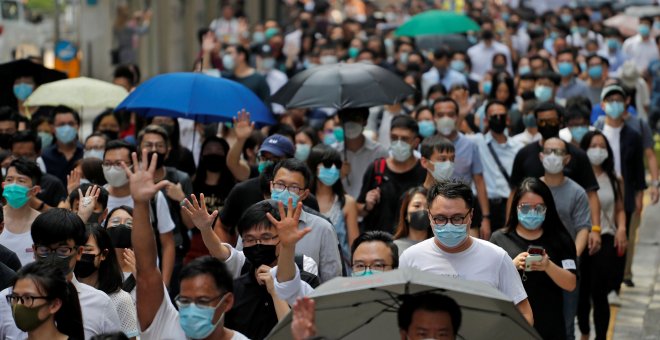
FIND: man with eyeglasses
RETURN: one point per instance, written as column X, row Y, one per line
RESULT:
column 118, row 152
column 454, row 253
column 59, row 236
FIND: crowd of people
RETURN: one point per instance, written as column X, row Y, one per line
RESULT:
column 521, row 161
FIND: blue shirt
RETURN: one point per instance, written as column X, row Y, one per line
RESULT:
column 448, row 79
column 574, row 88
column 57, row 164
column 467, row 162
column 598, row 111
column 654, row 72
column 497, row 185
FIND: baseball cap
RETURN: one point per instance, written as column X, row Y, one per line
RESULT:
column 278, row 145
column 611, row 89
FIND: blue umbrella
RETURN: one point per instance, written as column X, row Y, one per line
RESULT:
column 195, row 96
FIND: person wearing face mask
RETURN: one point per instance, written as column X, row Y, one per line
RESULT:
column 642, row 48
column 118, row 152
column 386, row 179
column 61, row 157
column 59, row 238
column 438, row 156
column 19, row 186
column 253, row 268
column 573, row 209
column 583, row 34
column 98, row 212
column 531, row 133
column 535, row 222
column 578, row 111
column 453, row 252
column 98, row 267
column 597, row 70
column 413, row 224
column 95, row 145
column 468, row 166
column 482, row 53
column 23, row 87
column 545, row 86
column 597, row 272
column 274, row 77
column 402, row 50
column 236, row 60
column 443, row 71
column 570, row 85
column 380, row 120
column 611, row 49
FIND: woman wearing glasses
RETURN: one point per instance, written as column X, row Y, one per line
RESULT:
column 542, row 251
column 44, row 304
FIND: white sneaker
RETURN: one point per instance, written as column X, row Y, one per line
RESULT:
column 614, row 299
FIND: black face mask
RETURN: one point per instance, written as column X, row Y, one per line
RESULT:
column 419, row 220
column 214, row 163
column 112, row 135
column 549, row 131
column 85, row 266
column 58, row 262
column 260, row 254
column 487, row 35
column 5, row 141
column 120, row 235
column 497, row 123
column 159, row 161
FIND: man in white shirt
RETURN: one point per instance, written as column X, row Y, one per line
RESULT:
column 482, row 53
column 642, row 48
column 59, row 236
column 441, row 73
column 226, row 28
column 118, row 152
column 454, row 253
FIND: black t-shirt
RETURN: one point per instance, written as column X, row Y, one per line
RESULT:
column 545, row 296
column 528, row 164
column 384, row 214
column 182, row 159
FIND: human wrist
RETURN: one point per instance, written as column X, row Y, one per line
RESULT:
column 595, row 229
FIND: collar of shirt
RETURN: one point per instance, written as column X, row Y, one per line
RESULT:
column 489, row 138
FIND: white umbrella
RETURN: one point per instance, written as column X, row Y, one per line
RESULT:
column 78, row 93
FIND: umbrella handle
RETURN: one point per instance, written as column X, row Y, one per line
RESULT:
column 348, row 180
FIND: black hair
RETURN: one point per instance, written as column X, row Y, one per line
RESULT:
column 405, row 122
column 110, row 336
column 603, row 60
column 226, row 177
column 295, row 165
column 451, row 189
column 578, row 107
column 110, row 276
column 552, row 76
column 103, row 195
column 92, row 170
column 432, row 302
column 446, row 99
column 494, row 102
column 244, row 51
column 436, row 143
column 255, row 216
column 125, row 208
column 97, row 120
column 311, row 133
column 441, row 53
column 98, row 134
column 128, row 71
column 285, row 130
column 322, row 154
column 348, row 113
column 608, row 163
column 120, row 144
column 27, row 136
column 27, row 168
column 403, row 228
column 154, row 129
column 58, row 225
column 436, row 88
column 38, row 120
column 9, row 114
column 378, row 236
column 549, row 106
column 61, row 109
column 503, row 78
column 52, row 283
column 209, row 265
column 567, row 51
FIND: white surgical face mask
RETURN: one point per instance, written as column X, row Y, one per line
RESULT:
column 115, row 176
column 553, row 164
column 352, row 130
column 442, row 170
column 597, row 155
column 445, row 125
column 328, row 60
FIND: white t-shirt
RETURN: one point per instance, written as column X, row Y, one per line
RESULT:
column 613, row 136
column 482, row 261
column 21, row 244
column 525, row 137
column 166, row 326
column 165, row 223
column 127, row 313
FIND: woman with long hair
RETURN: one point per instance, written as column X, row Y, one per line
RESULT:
column 118, row 225
column 414, row 225
column 543, row 252
column 99, row 268
column 339, row 207
column 44, row 304
column 597, row 277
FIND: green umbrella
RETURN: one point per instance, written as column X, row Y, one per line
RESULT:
column 437, row 23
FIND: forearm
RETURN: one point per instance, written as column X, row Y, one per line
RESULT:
column 652, row 163
column 286, row 266
column 281, row 307
column 142, row 239
column 240, row 170
column 362, row 209
column 594, row 206
column 214, row 244
column 562, row 277
column 526, row 310
column 581, row 241
column 167, row 261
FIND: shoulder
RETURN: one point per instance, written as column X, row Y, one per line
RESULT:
column 418, row 248
column 498, row 236
column 315, row 221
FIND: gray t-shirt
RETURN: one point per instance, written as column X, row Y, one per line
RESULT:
column 572, row 206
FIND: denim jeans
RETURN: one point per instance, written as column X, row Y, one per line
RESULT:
column 570, row 309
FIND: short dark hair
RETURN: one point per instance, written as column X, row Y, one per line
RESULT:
column 347, row 113
column 120, row 144
column 549, row 106
column 445, row 99
column 436, row 88
column 27, row 136
column 492, row 102
column 552, row 76
column 451, row 189
column 567, row 51
column 578, row 107
column 8, row 114
column 244, row 51
column 436, row 143
column 294, row 165
column 432, row 302
column 256, row 216
column 378, row 236
column 128, row 71
column 58, row 225
column 405, row 122
column 27, row 168
column 103, row 195
column 209, row 265
column 285, row 130
column 154, row 129
column 61, row 109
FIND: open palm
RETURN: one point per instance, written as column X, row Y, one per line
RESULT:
column 287, row 226
column 242, row 125
column 141, row 178
column 198, row 213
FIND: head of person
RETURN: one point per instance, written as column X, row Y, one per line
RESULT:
column 58, row 236
column 43, row 127
column 126, row 76
column 24, row 85
column 578, row 114
column 171, row 125
column 613, row 102
column 274, row 149
column 554, row 156
column 404, row 136
column 325, row 163
column 40, row 294
column 95, row 145
column 644, row 28
column 213, row 159
column 424, row 117
column 21, row 182
column 549, row 117
column 413, row 214
column 503, row 89
column 597, row 67
column 26, row 144
column 306, row 138
column 100, row 209
column 499, row 62
column 438, row 154
column 497, row 118
column 92, row 171
column 291, row 180
column 205, row 295
column 429, row 316
column 155, row 140
column 374, row 252
column 445, row 113
column 353, row 120
column 545, row 86
column 117, row 152
column 460, row 62
column 434, row 92
column 451, row 206
column 99, row 258
column 533, row 207
column 8, row 126
column 234, row 56
column 118, row 225
column 403, row 49
column 566, row 63
column 107, row 123
column 261, row 244
column 367, row 56
column 539, row 64
column 66, row 121
column 441, row 58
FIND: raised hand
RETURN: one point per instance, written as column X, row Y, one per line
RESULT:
column 128, row 256
column 141, row 177
column 198, row 214
column 175, row 192
column 73, row 180
column 303, row 323
column 242, row 125
column 87, row 203
column 287, row 226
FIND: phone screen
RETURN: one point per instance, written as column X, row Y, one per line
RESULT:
column 535, row 250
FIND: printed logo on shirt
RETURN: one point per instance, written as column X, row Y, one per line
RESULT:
column 568, row 264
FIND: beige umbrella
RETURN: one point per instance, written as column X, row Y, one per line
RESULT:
column 78, row 93
column 626, row 24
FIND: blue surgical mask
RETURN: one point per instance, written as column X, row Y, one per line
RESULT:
column 302, row 151
column 46, row 139
column 329, row 139
column 65, row 133
column 566, row 18
column 488, row 85
column 450, row 235
column 565, row 69
column 543, row 93
column 531, row 220
column 595, row 72
column 197, row 321
column 583, row 30
column 228, row 62
column 529, row 120
column 614, row 109
column 22, row 91
column 644, row 30
column 367, row 272
column 263, row 165
column 426, row 128
column 457, row 65
column 578, row 132
column 328, row 176
column 16, row 195
column 258, row 37
column 522, row 70
column 353, row 52
column 613, row 44
column 283, row 196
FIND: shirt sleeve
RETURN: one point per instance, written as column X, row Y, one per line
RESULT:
column 477, row 167
column 330, row 261
column 647, row 135
column 127, row 313
column 235, row 261
column 291, row 290
column 581, row 212
column 510, row 283
column 165, row 223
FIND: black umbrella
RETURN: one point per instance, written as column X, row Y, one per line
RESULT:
column 342, row 86
column 23, row 67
